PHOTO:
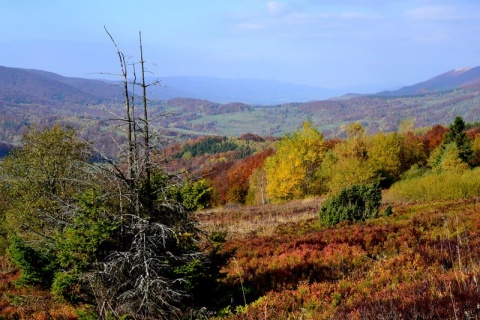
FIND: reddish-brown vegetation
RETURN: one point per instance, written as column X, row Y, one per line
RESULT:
column 238, row 176
column 228, row 172
column 29, row 303
column 421, row 263
column 433, row 137
column 473, row 132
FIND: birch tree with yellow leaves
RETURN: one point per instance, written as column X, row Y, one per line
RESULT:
column 292, row 172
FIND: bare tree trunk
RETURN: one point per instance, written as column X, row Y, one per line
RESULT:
column 132, row 172
column 146, row 134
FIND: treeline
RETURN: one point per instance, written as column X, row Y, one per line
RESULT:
column 226, row 164
column 212, row 145
column 305, row 164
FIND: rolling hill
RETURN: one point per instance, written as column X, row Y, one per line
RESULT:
column 32, row 86
column 38, row 97
column 24, row 86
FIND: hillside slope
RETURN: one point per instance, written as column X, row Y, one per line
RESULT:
column 330, row 116
column 25, row 86
column 450, row 80
column 420, row 263
column 36, row 97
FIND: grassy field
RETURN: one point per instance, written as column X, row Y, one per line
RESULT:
column 242, row 222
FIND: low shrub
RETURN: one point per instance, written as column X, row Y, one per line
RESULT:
column 37, row 268
column 357, row 202
column 436, row 186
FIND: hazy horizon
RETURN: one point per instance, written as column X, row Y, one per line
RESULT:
column 329, row 44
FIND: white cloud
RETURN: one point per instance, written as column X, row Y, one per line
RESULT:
column 276, row 8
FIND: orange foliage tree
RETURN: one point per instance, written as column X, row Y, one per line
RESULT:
column 433, row 137
column 238, row 175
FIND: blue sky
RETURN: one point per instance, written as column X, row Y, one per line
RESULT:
column 330, row 43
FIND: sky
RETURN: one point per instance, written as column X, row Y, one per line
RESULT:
column 324, row 43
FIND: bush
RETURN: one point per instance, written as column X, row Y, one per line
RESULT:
column 36, row 267
column 414, row 172
column 66, row 287
column 437, row 186
column 355, row 203
column 196, row 196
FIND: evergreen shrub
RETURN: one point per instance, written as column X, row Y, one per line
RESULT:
column 37, row 268
column 354, row 203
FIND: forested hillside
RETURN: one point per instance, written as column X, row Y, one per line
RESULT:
column 32, row 97
column 350, row 209
column 358, row 227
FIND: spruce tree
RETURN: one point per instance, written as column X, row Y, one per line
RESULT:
column 458, row 135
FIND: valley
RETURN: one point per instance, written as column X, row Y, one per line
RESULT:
column 357, row 207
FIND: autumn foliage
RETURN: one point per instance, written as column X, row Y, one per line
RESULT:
column 292, row 173
column 239, row 174
column 419, row 261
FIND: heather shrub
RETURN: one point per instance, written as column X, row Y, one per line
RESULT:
column 355, row 203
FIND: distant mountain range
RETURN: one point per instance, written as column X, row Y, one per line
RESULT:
column 202, row 105
column 249, row 91
column 268, row 92
column 35, row 86
column 453, row 79
column 28, row 86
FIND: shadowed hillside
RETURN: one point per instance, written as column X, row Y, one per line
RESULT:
column 23, row 86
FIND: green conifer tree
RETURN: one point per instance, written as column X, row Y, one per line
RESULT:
column 458, row 135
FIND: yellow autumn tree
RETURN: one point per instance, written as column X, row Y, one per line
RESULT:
column 446, row 159
column 347, row 164
column 391, row 154
column 476, row 151
column 385, row 155
column 292, row 172
column 257, row 188
column 343, row 172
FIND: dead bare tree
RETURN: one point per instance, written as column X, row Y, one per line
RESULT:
column 138, row 281
column 146, row 131
column 137, row 277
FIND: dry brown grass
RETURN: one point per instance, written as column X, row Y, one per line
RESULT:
column 241, row 221
column 6, row 265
